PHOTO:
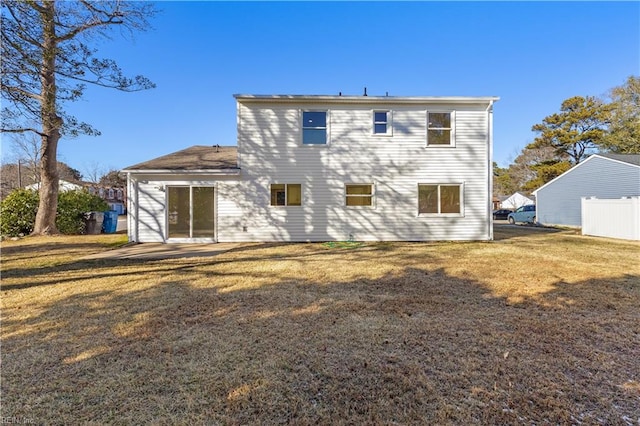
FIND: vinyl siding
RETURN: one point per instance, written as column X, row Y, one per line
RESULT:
column 559, row 202
column 148, row 201
column 270, row 151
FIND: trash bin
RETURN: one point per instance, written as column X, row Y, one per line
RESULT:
column 110, row 222
column 93, row 222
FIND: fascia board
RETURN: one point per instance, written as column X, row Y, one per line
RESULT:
column 216, row 172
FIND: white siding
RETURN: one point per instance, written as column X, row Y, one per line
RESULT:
column 148, row 200
column 613, row 218
column 270, row 151
column 559, row 202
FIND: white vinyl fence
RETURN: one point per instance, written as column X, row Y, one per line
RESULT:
column 613, row 218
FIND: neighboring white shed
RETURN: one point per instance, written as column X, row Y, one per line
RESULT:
column 516, row 200
column 602, row 175
column 63, row 186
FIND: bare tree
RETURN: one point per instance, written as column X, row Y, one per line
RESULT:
column 94, row 172
column 27, row 152
column 47, row 61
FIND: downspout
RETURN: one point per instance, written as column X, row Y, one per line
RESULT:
column 490, row 167
column 132, row 209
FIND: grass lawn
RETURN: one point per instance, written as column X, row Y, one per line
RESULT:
column 534, row 328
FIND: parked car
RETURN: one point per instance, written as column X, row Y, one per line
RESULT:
column 501, row 214
column 525, row 214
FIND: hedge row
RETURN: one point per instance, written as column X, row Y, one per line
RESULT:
column 18, row 211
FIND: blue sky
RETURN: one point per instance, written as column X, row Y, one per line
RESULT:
column 533, row 55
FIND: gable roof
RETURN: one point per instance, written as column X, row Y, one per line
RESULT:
column 197, row 158
column 631, row 159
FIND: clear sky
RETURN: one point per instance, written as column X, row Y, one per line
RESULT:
column 533, row 55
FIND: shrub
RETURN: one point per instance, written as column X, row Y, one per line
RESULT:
column 18, row 212
column 71, row 208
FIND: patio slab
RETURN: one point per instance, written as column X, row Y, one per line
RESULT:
column 159, row 251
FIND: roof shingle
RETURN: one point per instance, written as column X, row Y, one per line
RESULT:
column 197, row 157
column 625, row 158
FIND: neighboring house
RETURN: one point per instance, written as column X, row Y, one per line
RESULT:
column 116, row 197
column 516, row 200
column 600, row 175
column 495, row 202
column 63, row 186
column 318, row 168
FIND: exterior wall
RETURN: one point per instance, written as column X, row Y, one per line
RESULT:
column 559, row 201
column 147, row 219
column 618, row 218
column 270, row 151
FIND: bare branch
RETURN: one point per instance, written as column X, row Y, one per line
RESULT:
column 23, row 130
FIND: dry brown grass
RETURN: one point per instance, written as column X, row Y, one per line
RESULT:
column 534, row 328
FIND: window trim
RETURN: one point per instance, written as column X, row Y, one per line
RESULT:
column 372, row 195
column 327, row 127
column 286, row 195
column 388, row 122
column 452, row 129
column 460, row 185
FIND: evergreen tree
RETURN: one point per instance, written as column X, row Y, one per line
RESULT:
column 47, row 61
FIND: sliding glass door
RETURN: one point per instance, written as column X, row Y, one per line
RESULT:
column 191, row 212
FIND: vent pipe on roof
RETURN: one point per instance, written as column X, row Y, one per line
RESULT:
column 365, row 92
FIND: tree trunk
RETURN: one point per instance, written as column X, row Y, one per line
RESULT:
column 51, row 124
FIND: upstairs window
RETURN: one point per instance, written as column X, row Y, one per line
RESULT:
column 440, row 199
column 286, row 194
column 440, row 128
column 359, row 194
column 382, row 122
column 314, row 127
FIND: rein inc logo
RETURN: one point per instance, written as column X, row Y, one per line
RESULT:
column 17, row 421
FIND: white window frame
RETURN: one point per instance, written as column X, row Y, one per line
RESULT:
column 452, row 129
column 327, row 127
column 372, row 196
column 388, row 122
column 286, row 195
column 439, row 185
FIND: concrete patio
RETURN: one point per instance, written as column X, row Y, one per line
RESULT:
column 159, row 251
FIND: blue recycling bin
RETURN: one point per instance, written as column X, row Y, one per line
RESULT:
column 110, row 222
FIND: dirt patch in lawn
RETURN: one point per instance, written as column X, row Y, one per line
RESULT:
column 531, row 328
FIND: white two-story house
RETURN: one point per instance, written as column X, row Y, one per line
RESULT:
column 325, row 168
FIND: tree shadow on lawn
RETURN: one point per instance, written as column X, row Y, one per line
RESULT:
column 418, row 346
column 503, row 232
column 118, row 267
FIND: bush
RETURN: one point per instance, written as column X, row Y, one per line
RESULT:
column 71, row 207
column 18, row 212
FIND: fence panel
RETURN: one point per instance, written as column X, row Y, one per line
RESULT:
column 613, row 218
